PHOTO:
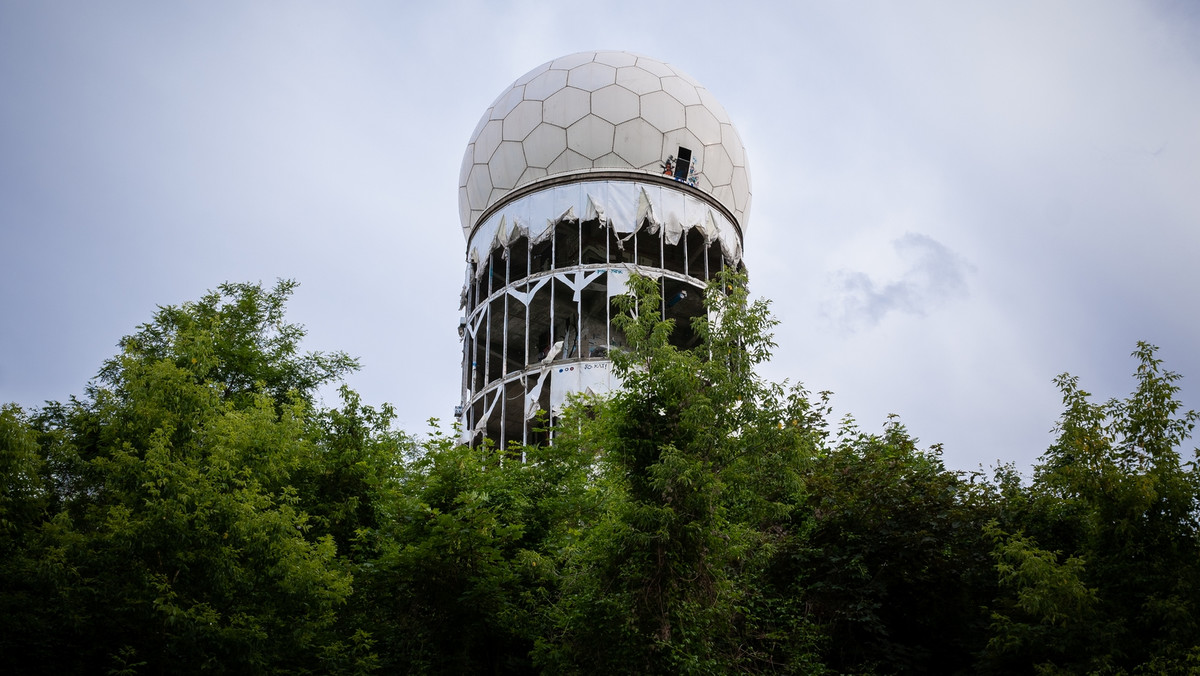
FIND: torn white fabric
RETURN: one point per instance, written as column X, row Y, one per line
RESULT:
column 674, row 213
column 624, row 206
column 501, row 240
column 673, row 229
column 709, row 227
column 731, row 247
column 618, row 281
column 620, row 201
column 462, row 296
column 595, row 212
column 584, row 377
column 534, row 395
column 466, row 436
column 645, row 211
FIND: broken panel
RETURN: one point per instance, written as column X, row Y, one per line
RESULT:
column 594, row 324
column 594, row 243
column 649, row 247
column 566, row 245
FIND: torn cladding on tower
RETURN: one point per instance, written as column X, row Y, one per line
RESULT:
column 586, row 170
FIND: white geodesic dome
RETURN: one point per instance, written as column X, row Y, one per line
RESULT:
column 597, row 111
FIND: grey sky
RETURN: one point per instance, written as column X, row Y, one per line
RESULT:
column 953, row 202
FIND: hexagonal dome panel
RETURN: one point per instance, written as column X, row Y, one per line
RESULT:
column 487, row 140
column 600, row 110
column 639, row 143
column 615, row 104
column 616, row 59
column 506, row 164
column 544, row 144
column 702, row 123
column 592, row 76
column 717, row 166
column 523, row 118
column 541, row 87
column 638, row 80
column 591, row 137
column 663, row 111
column 682, row 90
column 566, row 106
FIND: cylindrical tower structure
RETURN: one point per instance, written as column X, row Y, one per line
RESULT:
column 588, row 168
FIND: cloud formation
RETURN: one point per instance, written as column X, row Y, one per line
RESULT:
column 932, row 276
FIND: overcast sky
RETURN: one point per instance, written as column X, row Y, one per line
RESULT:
column 953, row 202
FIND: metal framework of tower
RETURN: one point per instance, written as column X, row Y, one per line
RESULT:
column 540, row 302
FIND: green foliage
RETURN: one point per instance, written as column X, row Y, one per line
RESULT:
column 171, row 530
column 1118, row 504
column 22, row 494
column 1048, row 610
column 234, row 339
column 700, row 461
column 460, row 567
column 197, row 510
column 894, row 567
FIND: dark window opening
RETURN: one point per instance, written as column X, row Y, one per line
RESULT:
column 513, row 416
column 479, row 358
column 682, row 161
column 566, row 320
column 619, row 251
column 673, row 256
column 594, row 323
column 649, row 246
column 497, row 270
column 518, row 259
column 541, row 256
column 682, row 302
column 695, row 253
column 594, row 242
column 566, row 244
column 716, row 262
column 495, row 337
column 516, row 336
column 539, row 325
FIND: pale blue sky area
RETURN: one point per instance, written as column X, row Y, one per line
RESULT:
column 953, row 202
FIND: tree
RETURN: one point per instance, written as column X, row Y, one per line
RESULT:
column 197, row 510
column 698, row 458
column 234, row 339
column 458, row 567
column 173, row 534
column 1118, row 506
column 894, row 566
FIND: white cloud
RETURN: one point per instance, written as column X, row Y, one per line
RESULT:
column 932, row 276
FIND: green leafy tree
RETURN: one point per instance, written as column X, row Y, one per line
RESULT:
column 461, row 565
column 173, row 535
column 198, row 510
column 698, row 460
column 1048, row 613
column 1118, row 503
column 894, row 567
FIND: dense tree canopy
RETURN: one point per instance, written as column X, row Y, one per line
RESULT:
column 199, row 509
